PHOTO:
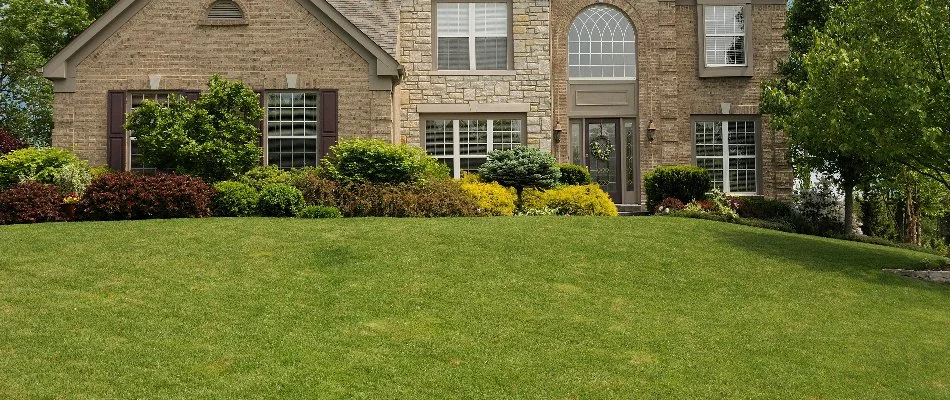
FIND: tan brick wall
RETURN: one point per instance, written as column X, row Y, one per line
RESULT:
column 165, row 38
column 530, row 83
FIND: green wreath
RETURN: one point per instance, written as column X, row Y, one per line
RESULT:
column 601, row 149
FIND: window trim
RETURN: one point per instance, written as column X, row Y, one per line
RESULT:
column 472, row 61
column 265, row 147
column 456, row 145
column 716, row 70
column 725, row 118
column 636, row 49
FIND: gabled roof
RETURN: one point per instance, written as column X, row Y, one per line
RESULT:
column 367, row 26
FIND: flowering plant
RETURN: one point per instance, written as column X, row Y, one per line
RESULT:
column 71, row 199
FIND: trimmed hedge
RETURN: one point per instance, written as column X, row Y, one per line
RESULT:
column 129, row 196
column 686, row 183
column 437, row 198
column 759, row 208
column 375, row 161
column 280, row 200
column 572, row 200
column 235, row 199
column 492, row 198
column 32, row 163
column 574, row 175
column 30, row 202
column 319, row 212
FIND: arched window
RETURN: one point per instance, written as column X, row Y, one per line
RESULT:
column 225, row 10
column 602, row 45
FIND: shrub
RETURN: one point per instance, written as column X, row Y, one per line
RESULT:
column 215, row 137
column 670, row 204
column 319, row 212
column 520, row 168
column 127, row 195
column 368, row 160
column 73, row 178
column 758, row 208
column 259, row 177
column 818, row 211
column 572, row 200
column 685, row 183
column 9, row 143
column 280, row 200
column 35, row 164
column 234, row 199
column 30, row 202
column 574, row 175
column 437, row 198
column 316, row 189
column 492, row 198
column 538, row 212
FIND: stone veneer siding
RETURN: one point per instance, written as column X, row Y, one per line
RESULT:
column 671, row 92
column 166, row 38
column 529, row 82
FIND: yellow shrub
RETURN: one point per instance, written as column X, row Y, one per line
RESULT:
column 572, row 200
column 492, row 198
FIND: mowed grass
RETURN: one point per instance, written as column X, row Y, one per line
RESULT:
column 546, row 307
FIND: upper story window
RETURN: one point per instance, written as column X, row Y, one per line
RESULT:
column 473, row 36
column 725, row 31
column 602, row 45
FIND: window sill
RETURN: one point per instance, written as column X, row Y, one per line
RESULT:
column 508, row 72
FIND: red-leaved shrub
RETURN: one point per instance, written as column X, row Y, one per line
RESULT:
column 30, row 202
column 670, row 204
column 9, row 143
column 126, row 195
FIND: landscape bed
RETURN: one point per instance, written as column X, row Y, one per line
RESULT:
column 529, row 307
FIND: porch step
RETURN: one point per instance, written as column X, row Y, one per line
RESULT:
column 629, row 210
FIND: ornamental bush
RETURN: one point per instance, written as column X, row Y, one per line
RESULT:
column 235, row 199
column 259, row 177
column 73, row 178
column 9, row 143
column 574, row 175
column 686, row 183
column 758, row 208
column 670, row 204
column 131, row 196
column 520, row 168
column 30, row 202
column 36, row 164
column 280, row 200
column 492, row 198
column 588, row 200
column 319, row 212
column 375, row 161
column 435, row 198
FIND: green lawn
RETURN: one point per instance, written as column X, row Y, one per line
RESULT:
column 551, row 308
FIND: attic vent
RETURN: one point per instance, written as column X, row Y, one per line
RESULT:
column 225, row 10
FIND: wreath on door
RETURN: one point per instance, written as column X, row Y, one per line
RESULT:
column 601, row 148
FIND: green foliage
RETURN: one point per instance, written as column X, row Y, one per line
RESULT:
column 214, row 138
column 589, row 200
column 36, row 164
column 73, row 178
column 369, row 160
column 492, row 198
column 572, row 174
column 433, row 198
column 760, row 208
column 234, row 199
column 686, row 183
column 259, row 177
column 320, row 212
column 280, row 200
column 520, row 168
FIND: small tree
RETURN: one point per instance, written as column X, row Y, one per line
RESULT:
column 520, row 168
column 215, row 137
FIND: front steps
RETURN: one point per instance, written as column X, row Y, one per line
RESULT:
column 629, row 210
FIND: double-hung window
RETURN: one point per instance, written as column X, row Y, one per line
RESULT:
column 728, row 150
column 724, row 43
column 293, row 129
column 472, row 36
column 463, row 144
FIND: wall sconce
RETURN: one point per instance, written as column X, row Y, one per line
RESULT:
column 557, row 132
column 651, row 131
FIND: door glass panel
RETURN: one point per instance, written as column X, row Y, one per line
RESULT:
column 628, row 129
column 577, row 143
column 603, row 156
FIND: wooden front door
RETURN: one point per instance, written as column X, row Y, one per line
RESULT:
column 602, row 140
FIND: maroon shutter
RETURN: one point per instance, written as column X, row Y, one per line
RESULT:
column 329, row 115
column 115, row 139
column 191, row 95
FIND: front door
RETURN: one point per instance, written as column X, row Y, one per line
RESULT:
column 602, row 139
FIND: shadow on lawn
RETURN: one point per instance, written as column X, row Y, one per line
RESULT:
column 862, row 261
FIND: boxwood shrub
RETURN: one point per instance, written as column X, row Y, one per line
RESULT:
column 235, row 199
column 280, row 200
column 686, row 183
column 319, row 212
column 574, row 175
column 128, row 195
column 375, row 161
column 30, row 202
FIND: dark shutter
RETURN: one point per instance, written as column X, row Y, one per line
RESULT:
column 115, row 139
column 329, row 115
column 191, row 95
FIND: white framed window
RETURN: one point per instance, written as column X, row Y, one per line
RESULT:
column 728, row 150
column 724, row 35
column 463, row 144
column 292, row 129
column 472, row 36
column 135, row 153
column 602, row 44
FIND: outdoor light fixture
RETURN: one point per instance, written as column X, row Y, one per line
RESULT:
column 651, row 131
column 557, row 132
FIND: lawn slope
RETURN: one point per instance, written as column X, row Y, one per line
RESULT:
column 545, row 307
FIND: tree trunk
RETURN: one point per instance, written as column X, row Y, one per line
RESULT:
column 911, row 210
column 519, row 203
column 848, row 208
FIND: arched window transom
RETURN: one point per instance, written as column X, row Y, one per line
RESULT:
column 602, row 45
column 225, row 10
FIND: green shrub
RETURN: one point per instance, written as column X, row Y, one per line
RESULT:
column 574, row 175
column 280, row 200
column 33, row 164
column 320, row 212
column 572, row 200
column 235, row 199
column 367, row 160
column 492, row 198
column 759, row 208
column 73, row 178
column 436, row 198
column 685, row 183
column 259, row 177
column 520, row 168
